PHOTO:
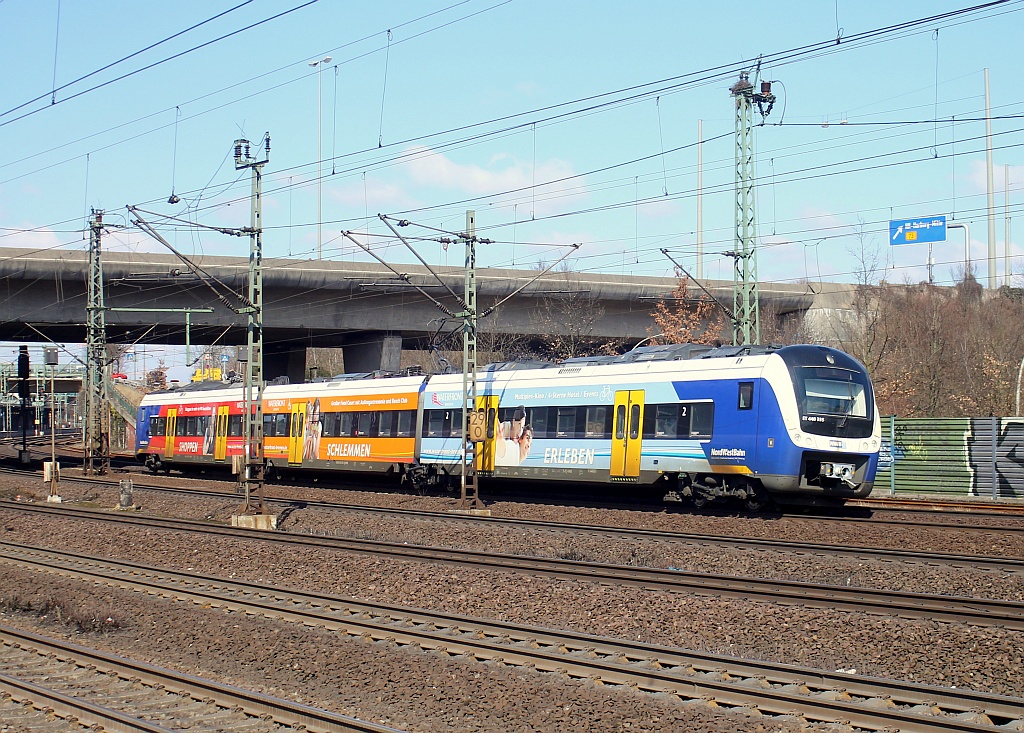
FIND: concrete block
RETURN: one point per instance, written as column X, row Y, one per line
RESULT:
column 254, row 521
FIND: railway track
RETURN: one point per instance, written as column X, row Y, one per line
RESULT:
column 50, row 678
column 749, row 686
column 977, row 562
column 975, row 611
column 976, row 505
column 935, row 506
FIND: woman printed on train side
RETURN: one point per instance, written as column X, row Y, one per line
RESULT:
column 314, row 429
column 514, row 440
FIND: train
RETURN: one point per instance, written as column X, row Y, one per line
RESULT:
column 758, row 424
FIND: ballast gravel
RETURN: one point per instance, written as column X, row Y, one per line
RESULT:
column 422, row 691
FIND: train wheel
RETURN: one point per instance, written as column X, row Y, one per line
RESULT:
column 699, row 501
column 758, row 501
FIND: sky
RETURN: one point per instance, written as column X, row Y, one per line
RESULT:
column 558, row 122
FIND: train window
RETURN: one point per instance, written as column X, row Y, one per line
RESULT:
column 442, row 423
column 620, row 422
column 702, row 420
column 404, row 425
column 455, row 423
column 432, row 423
column 330, row 423
column 565, row 426
column 344, row 424
column 277, row 425
column 364, row 424
column 202, row 423
column 385, row 424
column 234, row 426
column 537, row 417
column 746, row 396
column 157, row 426
column 835, row 395
column 634, row 422
column 597, row 422
column 179, row 426
column 666, row 420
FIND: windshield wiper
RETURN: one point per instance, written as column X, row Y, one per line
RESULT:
column 849, row 407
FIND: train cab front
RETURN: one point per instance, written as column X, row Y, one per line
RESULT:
column 836, row 429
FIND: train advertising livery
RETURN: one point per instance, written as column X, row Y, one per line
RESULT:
column 793, row 424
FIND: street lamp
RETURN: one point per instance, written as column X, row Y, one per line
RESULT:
column 319, row 66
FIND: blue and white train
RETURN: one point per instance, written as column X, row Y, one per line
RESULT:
column 795, row 424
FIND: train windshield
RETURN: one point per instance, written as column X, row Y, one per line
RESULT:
column 836, row 392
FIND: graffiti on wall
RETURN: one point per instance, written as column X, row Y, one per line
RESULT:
column 1007, row 468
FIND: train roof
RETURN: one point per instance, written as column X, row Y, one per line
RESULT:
column 661, row 352
column 793, row 355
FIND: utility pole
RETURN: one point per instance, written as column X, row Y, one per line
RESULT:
column 990, row 190
column 97, row 409
column 50, row 358
column 25, row 393
column 253, row 460
column 700, row 199
column 747, row 327
column 469, row 497
column 319, row 66
column 1007, row 267
column 477, row 425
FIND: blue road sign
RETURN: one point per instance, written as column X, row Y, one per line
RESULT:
column 224, row 358
column 917, row 231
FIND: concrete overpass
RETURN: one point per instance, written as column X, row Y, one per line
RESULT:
column 360, row 307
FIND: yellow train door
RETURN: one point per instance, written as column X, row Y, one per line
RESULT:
column 627, row 426
column 220, row 436
column 486, row 451
column 172, row 426
column 297, row 432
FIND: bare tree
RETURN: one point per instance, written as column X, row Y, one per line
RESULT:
column 565, row 320
column 687, row 317
column 781, row 328
column 866, row 334
column 324, row 362
column 953, row 352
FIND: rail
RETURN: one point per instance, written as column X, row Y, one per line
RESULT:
column 951, row 609
column 770, row 688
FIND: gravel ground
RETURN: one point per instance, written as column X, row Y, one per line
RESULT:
column 421, row 691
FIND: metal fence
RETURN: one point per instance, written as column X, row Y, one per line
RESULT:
column 976, row 456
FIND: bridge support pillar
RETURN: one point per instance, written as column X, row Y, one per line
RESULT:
column 375, row 350
column 290, row 363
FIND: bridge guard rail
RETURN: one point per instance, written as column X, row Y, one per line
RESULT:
column 958, row 457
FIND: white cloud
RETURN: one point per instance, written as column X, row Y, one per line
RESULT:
column 38, row 239
column 504, row 172
column 372, row 196
column 975, row 180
